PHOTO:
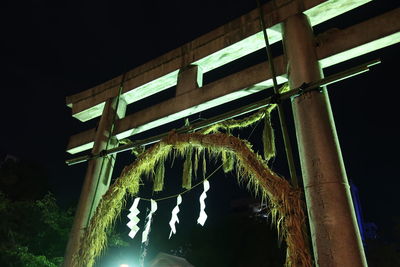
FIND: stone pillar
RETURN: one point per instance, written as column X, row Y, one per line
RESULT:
column 334, row 233
column 97, row 179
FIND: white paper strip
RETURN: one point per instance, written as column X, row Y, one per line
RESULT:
column 203, row 216
column 174, row 217
column 146, row 230
column 133, row 218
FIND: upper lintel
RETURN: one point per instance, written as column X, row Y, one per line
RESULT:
column 332, row 47
column 216, row 48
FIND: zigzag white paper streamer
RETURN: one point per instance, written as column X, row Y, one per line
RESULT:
column 174, row 217
column 203, row 216
column 133, row 218
column 146, row 230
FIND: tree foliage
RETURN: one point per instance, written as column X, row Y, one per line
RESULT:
column 33, row 233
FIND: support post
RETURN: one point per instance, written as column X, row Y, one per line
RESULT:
column 334, row 234
column 189, row 78
column 98, row 175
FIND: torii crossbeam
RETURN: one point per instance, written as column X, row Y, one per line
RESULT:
column 332, row 220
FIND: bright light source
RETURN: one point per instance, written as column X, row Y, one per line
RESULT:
column 124, row 265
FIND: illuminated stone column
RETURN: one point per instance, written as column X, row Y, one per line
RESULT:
column 97, row 179
column 334, row 233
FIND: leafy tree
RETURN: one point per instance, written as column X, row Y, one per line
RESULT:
column 34, row 230
column 33, row 233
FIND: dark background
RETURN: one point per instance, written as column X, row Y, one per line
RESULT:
column 52, row 49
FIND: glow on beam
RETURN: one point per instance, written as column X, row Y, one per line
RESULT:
column 187, row 112
column 208, row 63
column 90, row 113
column 330, row 9
column 361, row 50
column 81, row 148
column 201, row 107
column 237, row 50
column 213, row 61
column 318, row 14
column 152, row 87
column 134, row 95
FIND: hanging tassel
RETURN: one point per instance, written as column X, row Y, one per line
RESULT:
column 204, row 164
column 227, row 161
column 187, row 171
column 227, row 158
column 133, row 218
column 146, row 231
column 203, row 215
column 174, row 216
column 268, row 137
column 159, row 177
column 196, row 162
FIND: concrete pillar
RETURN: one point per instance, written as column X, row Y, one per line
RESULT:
column 334, row 233
column 97, row 179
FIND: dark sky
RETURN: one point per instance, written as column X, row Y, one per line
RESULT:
column 52, row 49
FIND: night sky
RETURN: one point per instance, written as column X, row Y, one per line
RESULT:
column 53, row 49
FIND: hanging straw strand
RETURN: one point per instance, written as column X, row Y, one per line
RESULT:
column 187, row 190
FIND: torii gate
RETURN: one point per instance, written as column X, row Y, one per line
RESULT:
column 334, row 234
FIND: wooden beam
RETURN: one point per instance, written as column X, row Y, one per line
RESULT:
column 235, row 39
column 246, row 82
column 340, row 45
column 249, row 81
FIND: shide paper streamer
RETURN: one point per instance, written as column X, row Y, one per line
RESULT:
column 174, row 217
column 146, row 230
column 133, row 218
column 203, row 216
